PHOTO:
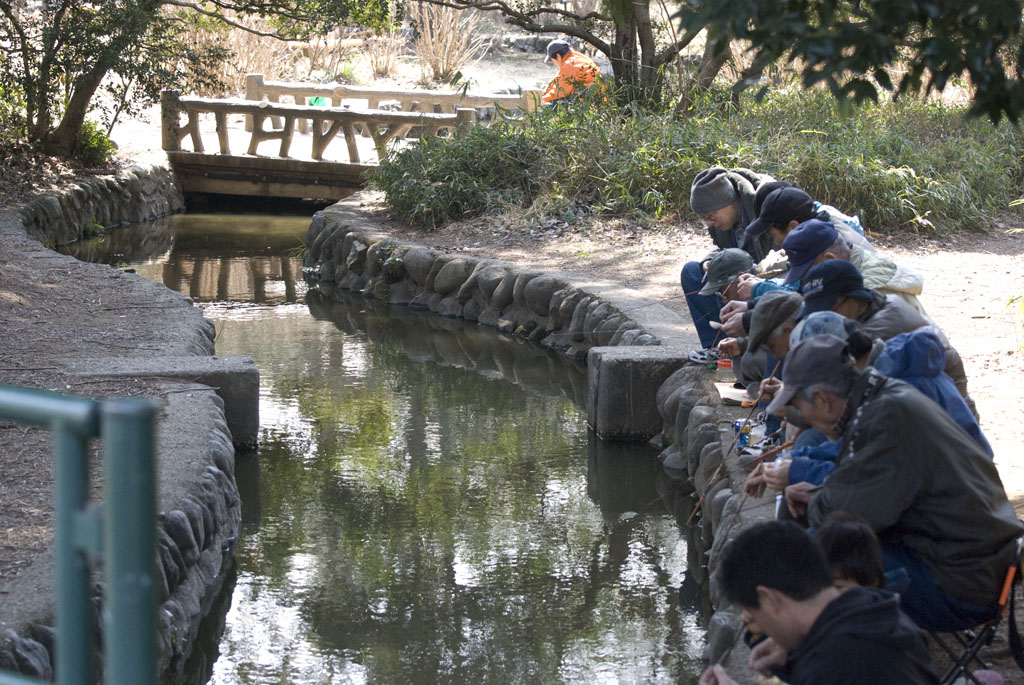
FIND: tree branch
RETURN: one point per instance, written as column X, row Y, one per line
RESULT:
column 528, row 21
column 230, row 22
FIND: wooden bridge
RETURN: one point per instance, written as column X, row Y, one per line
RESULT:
column 309, row 161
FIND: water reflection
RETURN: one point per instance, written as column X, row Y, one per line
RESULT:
column 427, row 504
column 423, row 519
column 209, row 257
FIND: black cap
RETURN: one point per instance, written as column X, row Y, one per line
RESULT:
column 780, row 207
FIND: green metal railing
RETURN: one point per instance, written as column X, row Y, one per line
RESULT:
column 120, row 532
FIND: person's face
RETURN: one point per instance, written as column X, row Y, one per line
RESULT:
column 724, row 219
column 557, row 61
column 730, row 292
column 772, row 619
column 779, row 234
column 822, row 413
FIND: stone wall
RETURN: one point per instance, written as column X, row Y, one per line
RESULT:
column 139, row 194
column 198, row 500
column 698, row 433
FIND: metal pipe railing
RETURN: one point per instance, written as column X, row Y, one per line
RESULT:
column 124, row 537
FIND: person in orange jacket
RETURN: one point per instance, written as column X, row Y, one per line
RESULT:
column 576, row 71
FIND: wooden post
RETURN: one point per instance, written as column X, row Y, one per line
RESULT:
column 464, row 118
column 222, row 132
column 253, row 91
column 170, row 123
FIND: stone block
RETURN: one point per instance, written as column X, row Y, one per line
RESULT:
column 622, row 387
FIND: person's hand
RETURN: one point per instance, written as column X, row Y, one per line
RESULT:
column 776, row 474
column 733, row 325
column 798, row 496
column 745, row 285
column 732, row 307
column 766, row 656
column 769, row 388
column 715, row 675
column 729, row 347
column 755, row 483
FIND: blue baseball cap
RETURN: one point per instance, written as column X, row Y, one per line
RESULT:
column 825, row 282
column 804, row 243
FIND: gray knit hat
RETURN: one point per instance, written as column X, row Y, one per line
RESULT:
column 771, row 311
column 712, row 189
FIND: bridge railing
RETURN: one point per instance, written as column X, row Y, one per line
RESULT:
column 328, row 122
column 121, row 533
column 429, row 101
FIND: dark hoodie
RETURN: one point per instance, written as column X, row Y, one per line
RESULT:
column 861, row 637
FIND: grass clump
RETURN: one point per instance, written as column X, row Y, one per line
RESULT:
column 904, row 165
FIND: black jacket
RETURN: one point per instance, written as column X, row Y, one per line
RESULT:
column 861, row 637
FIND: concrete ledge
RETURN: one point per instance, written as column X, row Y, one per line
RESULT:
column 236, row 381
column 622, row 389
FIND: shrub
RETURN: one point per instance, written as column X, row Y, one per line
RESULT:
column 900, row 165
column 441, row 179
column 95, row 148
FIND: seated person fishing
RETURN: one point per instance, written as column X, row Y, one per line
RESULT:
column 926, row 487
column 778, row 576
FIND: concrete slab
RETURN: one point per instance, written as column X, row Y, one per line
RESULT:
column 236, row 380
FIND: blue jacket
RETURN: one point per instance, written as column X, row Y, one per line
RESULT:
column 917, row 358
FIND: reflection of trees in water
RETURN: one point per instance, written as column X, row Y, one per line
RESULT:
column 127, row 245
column 427, row 337
column 442, row 515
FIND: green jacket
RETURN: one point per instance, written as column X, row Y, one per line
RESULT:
column 919, row 479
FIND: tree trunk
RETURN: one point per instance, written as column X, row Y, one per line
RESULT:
column 63, row 141
column 711, row 64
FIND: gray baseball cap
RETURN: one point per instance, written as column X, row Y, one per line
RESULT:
column 772, row 310
column 812, row 361
column 725, row 266
column 557, row 47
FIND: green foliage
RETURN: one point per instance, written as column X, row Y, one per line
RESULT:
column 441, row 179
column 904, row 165
column 94, row 148
column 848, row 45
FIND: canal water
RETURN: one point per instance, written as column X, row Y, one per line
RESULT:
column 427, row 504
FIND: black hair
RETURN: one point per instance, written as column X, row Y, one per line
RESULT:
column 774, row 554
column 858, row 343
column 851, row 549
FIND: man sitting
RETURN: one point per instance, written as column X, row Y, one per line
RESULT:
column 576, row 72
column 724, row 199
column 785, row 208
column 817, row 634
column 815, row 241
column 917, row 478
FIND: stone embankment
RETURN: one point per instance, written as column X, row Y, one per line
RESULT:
column 639, row 383
column 94, row 330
